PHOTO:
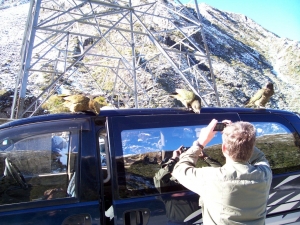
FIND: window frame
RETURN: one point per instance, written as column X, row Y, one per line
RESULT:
column 121, row 123
column 75, row 127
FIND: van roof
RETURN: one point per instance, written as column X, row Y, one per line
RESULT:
column 140, row 111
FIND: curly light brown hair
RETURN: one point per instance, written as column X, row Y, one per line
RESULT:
column 239, row 139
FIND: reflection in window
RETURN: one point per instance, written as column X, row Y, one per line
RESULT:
column 279, row 146
column 102, row 151
column 144, row 150
column 269, row 128
column 160, row 139
column 47, row 153
column 37, row 168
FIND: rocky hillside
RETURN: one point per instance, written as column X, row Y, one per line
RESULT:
column 245, row 56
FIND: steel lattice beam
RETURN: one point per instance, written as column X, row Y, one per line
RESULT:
column 119, row 44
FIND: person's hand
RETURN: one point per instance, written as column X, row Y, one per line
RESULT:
column 177, row 153
column 202, row 154
column 227, row 122
column 207, row 133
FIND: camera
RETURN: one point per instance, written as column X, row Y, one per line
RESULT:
column 183, row 149
column 220, row 126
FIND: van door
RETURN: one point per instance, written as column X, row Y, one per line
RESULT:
column 49, row 174
column 139, row 145
column 278, row 139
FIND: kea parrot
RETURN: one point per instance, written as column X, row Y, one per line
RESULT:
column 79, row 103
column 189, row 99
column 261, row 97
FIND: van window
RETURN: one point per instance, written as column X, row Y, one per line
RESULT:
column 37, row 168
column 279, row 145
column 102, row 152
column 278, row 139
column 145, row 150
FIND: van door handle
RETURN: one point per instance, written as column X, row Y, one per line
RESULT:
column 136, row 217
column 78, row 219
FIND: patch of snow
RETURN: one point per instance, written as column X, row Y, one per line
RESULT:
column 13, row 20
column 278, row 74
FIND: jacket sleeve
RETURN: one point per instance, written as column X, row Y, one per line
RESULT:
column 163, row 177
column 185, row 171
column 258, row 158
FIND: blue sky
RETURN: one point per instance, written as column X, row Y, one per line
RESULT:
column 281, row 17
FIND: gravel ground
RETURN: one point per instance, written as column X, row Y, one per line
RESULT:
column 13, row 18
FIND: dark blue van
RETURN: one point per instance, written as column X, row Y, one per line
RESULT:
column 65, row 169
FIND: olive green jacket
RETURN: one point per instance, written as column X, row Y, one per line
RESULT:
column 235, row 193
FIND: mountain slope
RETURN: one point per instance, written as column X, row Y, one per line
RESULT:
column 246, row 56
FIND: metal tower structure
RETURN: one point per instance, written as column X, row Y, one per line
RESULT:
column 126, row 49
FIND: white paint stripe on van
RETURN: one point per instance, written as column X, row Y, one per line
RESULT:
column 288, row 179
column 284, row 207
